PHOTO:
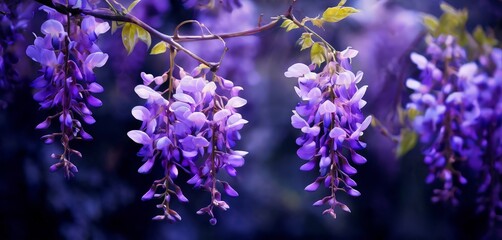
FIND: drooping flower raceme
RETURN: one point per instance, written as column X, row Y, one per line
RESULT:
column 68, row 54
column 486, row 88
column 195, row 130
column 460, row 119
column 442, row 125
column 14, row 17
column 330, row 118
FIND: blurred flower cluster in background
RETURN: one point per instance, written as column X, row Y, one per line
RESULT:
column 103, row 201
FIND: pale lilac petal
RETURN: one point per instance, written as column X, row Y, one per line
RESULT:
column 221, row 115
column 147, row 78
column 141, row 113
column 235, row 160
column 95, row 88
column 236, row 102
column 139, row 137
column 359, row 94
column 467, row 71
column 96, row 59
column 297, row 121
column 163, row 142
column 349, row 53
column 297, row 70
column 327, row 107
column 419, row 60
column 52, row 27
column 197, row 118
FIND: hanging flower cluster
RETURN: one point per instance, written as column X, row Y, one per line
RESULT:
column 486, row 90
column 68, row 54
column 460, row 119
column 330, row 118
column 195, row 130
column 446, row 112
column 13, row 20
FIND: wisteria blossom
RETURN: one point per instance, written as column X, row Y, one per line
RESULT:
column 68, row 55
column 195, row 130
column 329, row 116
column 459, row 119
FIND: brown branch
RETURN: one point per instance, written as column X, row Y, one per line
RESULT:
column 227, row 35
column 174, row 41
column 110, row 15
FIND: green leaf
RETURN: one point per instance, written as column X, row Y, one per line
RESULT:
column 342, row 2
column 131, row 33
column 159, row 48
column 407, row 141
column 143, row 35
column 115, row 26
column 133, row 4
column 317, row 53
column 447, row 8
column 289, row 25
column 129, row 37
column 430, row 22
column 317, row 22
column 482, row 39
column 338, row 13
column 306, row 40
column 412, row 114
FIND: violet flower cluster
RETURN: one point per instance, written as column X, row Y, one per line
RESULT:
column 445, row 113
column 194, row 130
column 330, row 118
column 486, row 89
column 67, row 53
column 460, row 119
column 14, row 17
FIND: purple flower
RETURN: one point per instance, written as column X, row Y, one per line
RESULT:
column 68, row 81
column 460, row 119
column 192, row 128
column 330, row 118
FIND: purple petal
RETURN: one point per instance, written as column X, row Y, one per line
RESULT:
column 235, row 160
column 297, row 70
column 139, row 137
column 163, row 142
column 327, row 107
column 197, row 118
column 357, row 159
column 93, row 101
column 307, row 151
column 297, row 121
column 419, row 60
column 147, row 166
column 308, row 166
column 148, row 195
column 312, row 187
column 220, row 115
column 229, row 190
column 45, row 124
column 52, row 27
column 95, row 88
column 324, row 162
column 141, row 113
column 236, row 102
column 96, row 59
